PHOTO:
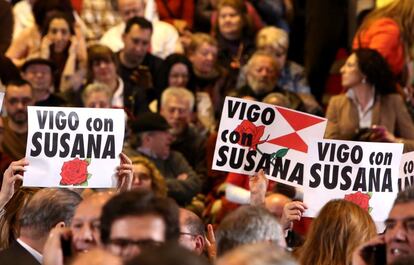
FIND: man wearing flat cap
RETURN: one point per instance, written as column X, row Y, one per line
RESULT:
column 153, row 140
column 39, row 73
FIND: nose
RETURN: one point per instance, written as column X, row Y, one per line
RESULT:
column 175, row 113
column 59, row 36
column 20, row 104
column 210, row 57
column 399, row 233
column 180, row 80
column 136, row 180
column 86, row 234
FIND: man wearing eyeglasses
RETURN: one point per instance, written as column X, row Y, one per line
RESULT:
column 18, row 96
column 191, row 231
column 134, row 220
column 398, row 239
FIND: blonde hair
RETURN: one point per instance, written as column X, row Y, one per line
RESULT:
column 272, row 36
column 158, row 185
column 197, row 39
column 402, row 11
column 339, row 229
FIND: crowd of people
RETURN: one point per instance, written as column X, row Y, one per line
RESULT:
column 169, row 64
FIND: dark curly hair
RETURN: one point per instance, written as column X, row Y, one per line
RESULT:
column 168, row 64
column 377, row 71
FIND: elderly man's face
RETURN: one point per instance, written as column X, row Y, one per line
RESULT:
column 177, row 113
column 86, row 222
column 40, row 77
column 262, row 74
column 399, row 236
column 159, row 142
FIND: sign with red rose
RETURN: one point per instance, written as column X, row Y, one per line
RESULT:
column 75, row 172
column 76, row 147
column 361, row 172
column 360, row 199
column 254, row 135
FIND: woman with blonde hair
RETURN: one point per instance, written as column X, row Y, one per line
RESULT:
column 390, row 31
column 339, row 229
column 147, row 176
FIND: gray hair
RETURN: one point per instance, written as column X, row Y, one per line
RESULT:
column 47, row 208
column 263, row 253
column 246, row 225
column 256, row 56
column 178, row 92
column 95, row 87
column 405, row 196
column 194, row 223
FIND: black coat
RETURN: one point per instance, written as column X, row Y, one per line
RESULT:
column 17, row 255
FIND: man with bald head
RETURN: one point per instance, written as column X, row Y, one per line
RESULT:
column 191, row 231
column 275, row 203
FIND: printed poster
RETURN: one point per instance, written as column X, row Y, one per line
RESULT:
column 73, row 147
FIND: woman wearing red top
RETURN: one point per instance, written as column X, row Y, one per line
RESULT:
column 179, row 13
column 390, row 31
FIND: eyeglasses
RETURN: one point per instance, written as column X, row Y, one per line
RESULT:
column 187, row 234
column 407, row 223
column 124, row 243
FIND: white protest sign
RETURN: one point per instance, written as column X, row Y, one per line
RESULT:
column 362, row 172
column 73, row 147
column 255, row 135
column 406, row 177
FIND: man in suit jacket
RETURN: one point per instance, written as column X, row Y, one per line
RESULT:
column 47, row 209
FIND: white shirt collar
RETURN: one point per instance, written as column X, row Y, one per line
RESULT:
column 31, row 250
column 118, row 96
column 365, row 116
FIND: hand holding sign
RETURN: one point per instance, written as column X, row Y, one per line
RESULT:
column 258, row 187
column 124, row 173
column 292, row 211
column 12, row 174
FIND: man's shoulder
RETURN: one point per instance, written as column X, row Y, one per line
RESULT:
column 113, row 37
column 17, row 255
column 160, row 25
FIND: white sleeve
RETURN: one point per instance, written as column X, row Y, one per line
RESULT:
column 237, row 195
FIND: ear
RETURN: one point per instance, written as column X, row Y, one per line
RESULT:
column 199, row 244
column 60, row 224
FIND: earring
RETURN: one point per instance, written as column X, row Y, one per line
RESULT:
column 364, row 80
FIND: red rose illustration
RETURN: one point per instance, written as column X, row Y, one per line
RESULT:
column 359, row 198
column 74, row 172
column 247, row 127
